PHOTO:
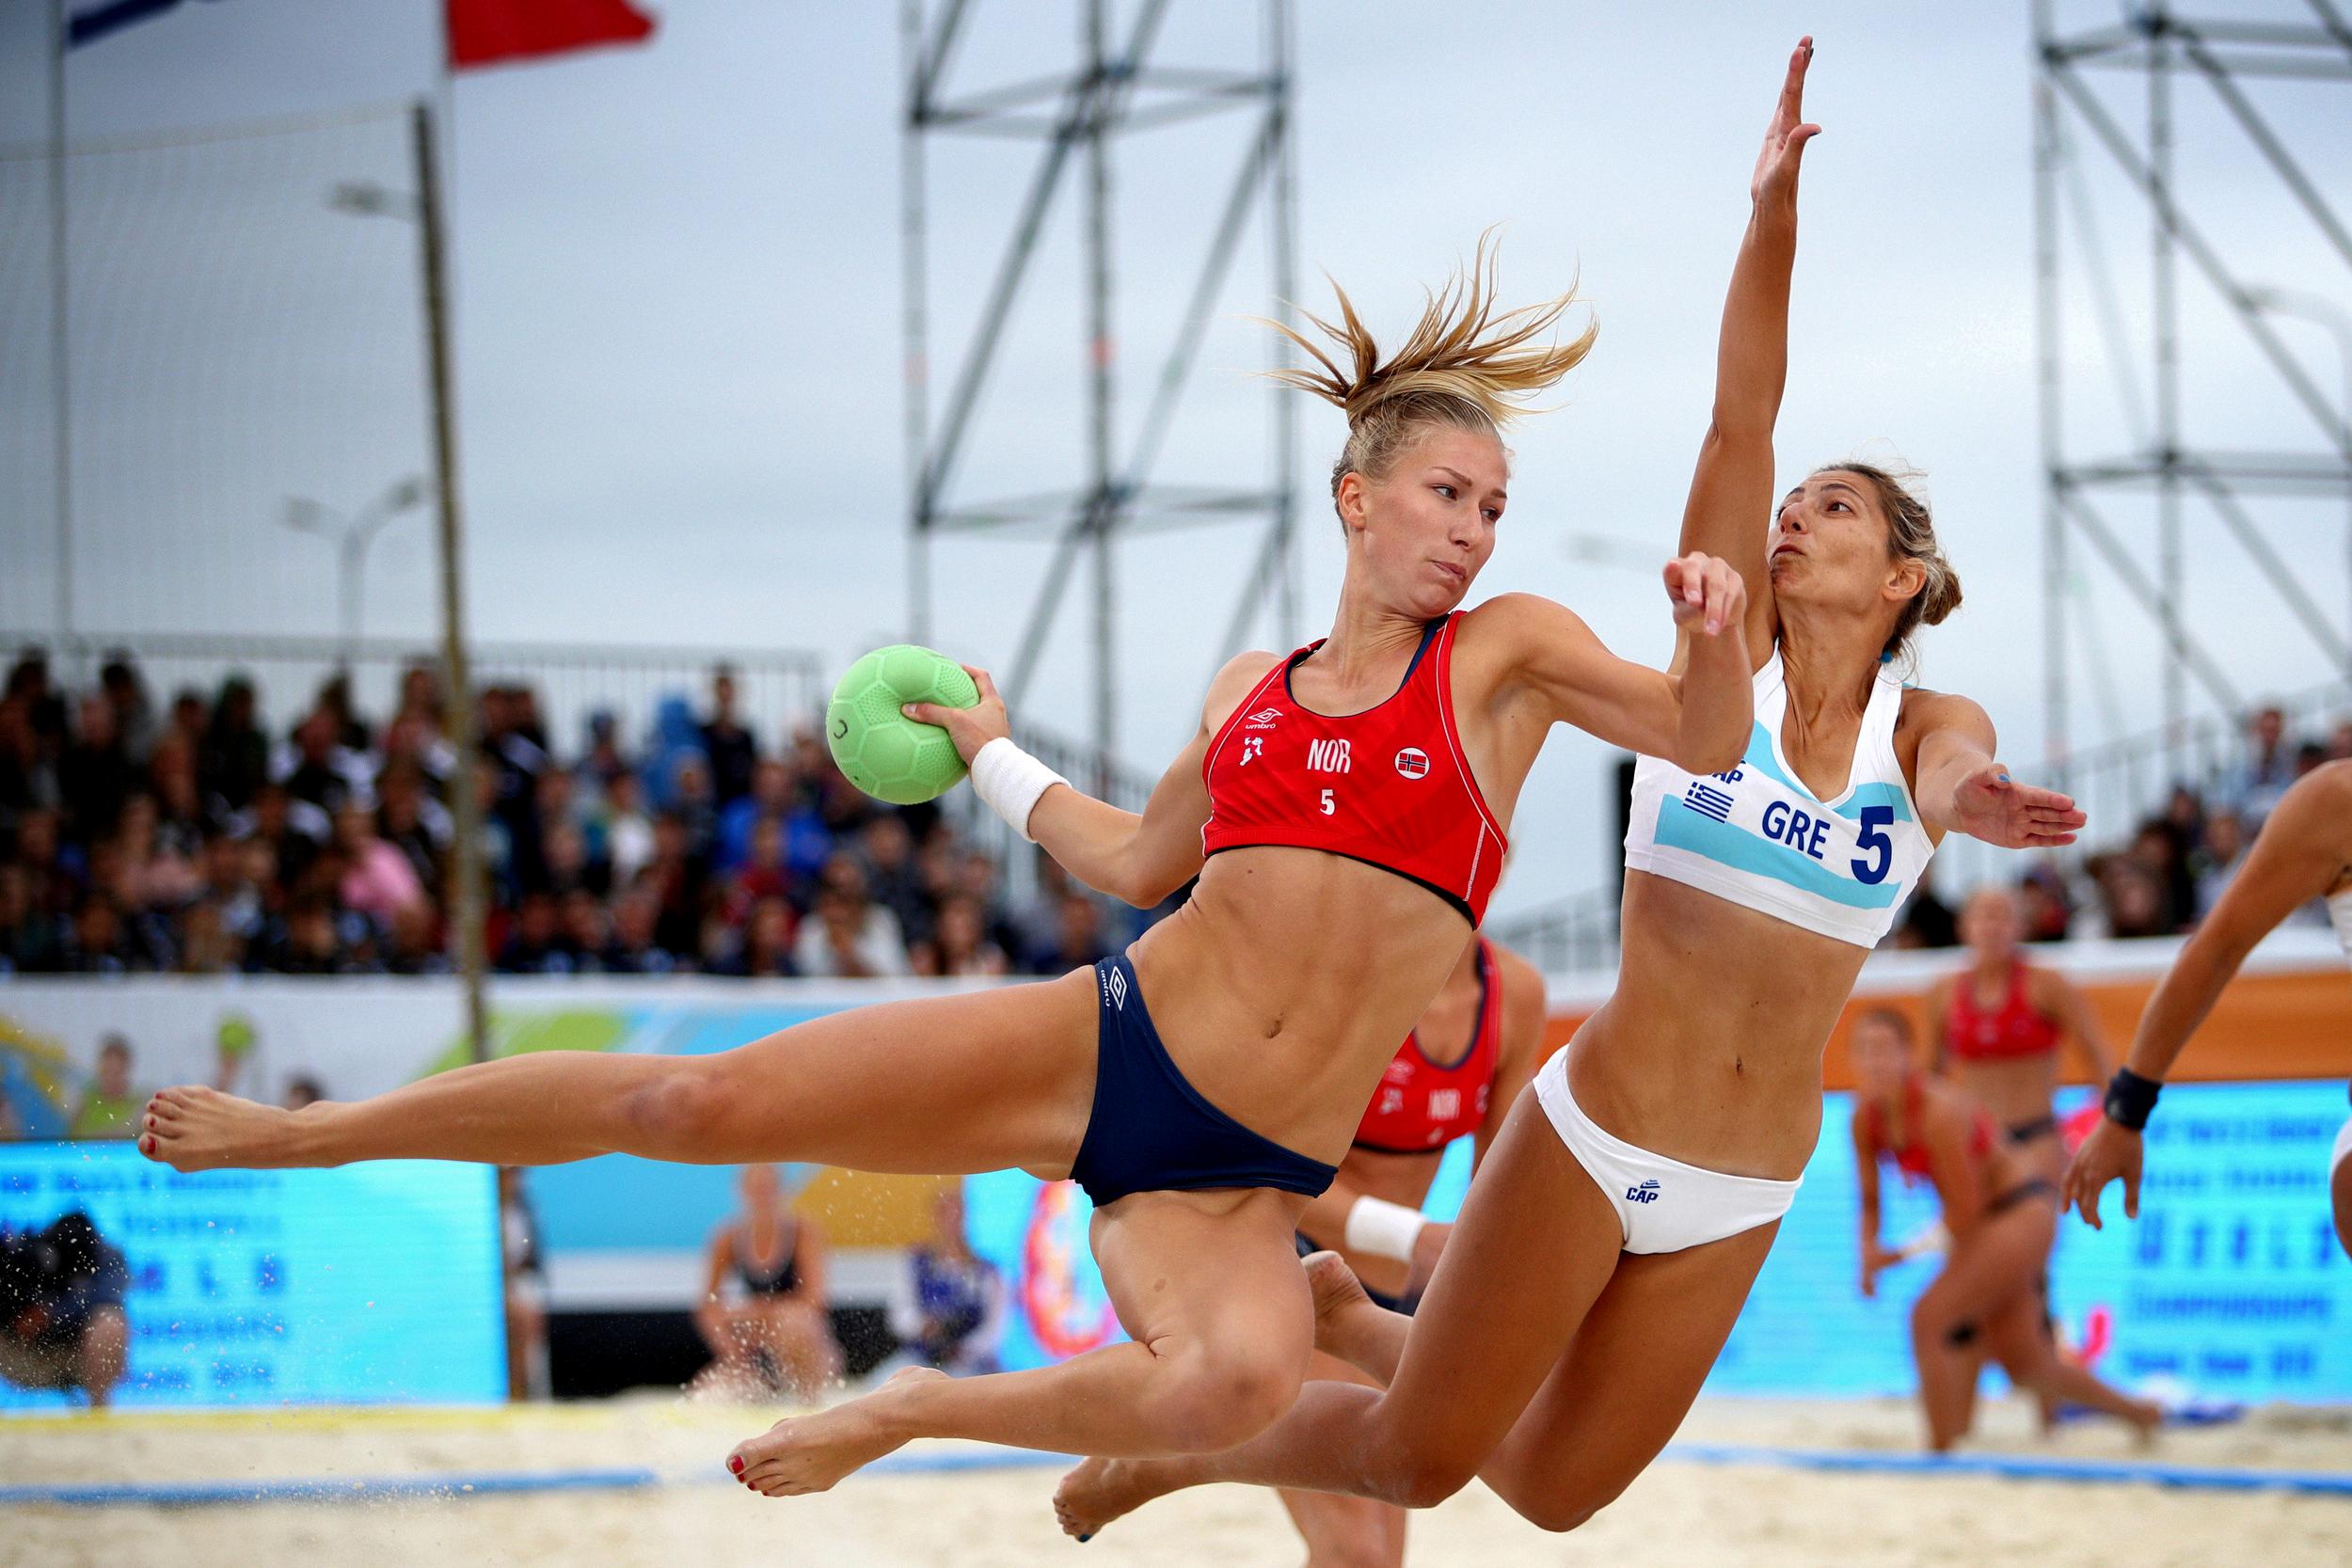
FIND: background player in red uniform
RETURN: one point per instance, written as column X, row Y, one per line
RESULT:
column 1456, row 1075
column 2000, row 1212
column 1995, row 1028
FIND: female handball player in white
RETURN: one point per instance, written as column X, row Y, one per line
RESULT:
column 1633, row 1195
column 1343, row 808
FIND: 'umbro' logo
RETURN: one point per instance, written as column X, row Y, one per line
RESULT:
column 1645, row 1192
column 1263, row 719
column 1116, row 988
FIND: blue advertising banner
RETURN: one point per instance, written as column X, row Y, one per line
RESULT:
column 370, row 1284
column 2230, row 1282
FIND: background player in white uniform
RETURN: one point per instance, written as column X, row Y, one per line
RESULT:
column 2304, row 852
column 1632, row 1196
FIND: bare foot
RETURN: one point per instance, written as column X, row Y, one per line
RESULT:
column 1101, row 1490
column 1340, row 1302
column 809, row 1453
column 2146, row 1417
column 194, row 1128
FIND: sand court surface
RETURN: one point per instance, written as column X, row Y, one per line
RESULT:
column 678, row 1508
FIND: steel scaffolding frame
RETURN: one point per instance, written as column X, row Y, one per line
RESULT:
column 1077, row 118
column 2225, row 54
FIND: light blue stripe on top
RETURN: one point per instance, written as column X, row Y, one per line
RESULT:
column 1680, row 827
column 1764, row 760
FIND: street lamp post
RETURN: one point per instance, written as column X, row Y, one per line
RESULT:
column 422, row 209
column 351, row 537
column 2321, row 312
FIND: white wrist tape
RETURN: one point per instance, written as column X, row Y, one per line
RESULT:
column 1382, row 1228
column 1011, row 781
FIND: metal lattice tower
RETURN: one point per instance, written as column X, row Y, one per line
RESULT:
column 2140, row 503
column 1079, row 118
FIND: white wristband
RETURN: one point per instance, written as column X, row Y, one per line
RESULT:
column 1382, row 1228
column 1009, row 782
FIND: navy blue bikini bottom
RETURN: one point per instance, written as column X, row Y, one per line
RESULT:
column 1152, row 1132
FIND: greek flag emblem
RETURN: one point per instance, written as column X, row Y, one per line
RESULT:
column 1708, row 801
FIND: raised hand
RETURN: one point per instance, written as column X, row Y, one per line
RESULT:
column 1704, row 588
column 2112, row 1151
column 970, row 728
column 1775, row 177
column 1990, row 805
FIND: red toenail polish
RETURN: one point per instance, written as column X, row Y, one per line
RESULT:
column 735, row 1463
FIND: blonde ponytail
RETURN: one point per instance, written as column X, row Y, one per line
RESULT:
column 1466, row 364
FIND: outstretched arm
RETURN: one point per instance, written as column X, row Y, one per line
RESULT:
column 1961, row 789
column 1140, row 858
column 1729, row 510
column 1698, row 717
column 2303, row 851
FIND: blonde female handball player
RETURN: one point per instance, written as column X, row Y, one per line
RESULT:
column 1343, row 808
column 1633, row 1195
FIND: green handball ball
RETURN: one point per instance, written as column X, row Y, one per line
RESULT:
column 882, row 751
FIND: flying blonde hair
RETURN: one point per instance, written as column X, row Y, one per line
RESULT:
column 1465, row 364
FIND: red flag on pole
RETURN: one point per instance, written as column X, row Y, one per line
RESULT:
column 492, row 32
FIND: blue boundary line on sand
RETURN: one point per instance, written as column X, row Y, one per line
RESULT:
column 328, row 1489
column 2021, row 1467
column 459, row 1485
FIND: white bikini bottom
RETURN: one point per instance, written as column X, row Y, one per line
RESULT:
column 1663, row 1205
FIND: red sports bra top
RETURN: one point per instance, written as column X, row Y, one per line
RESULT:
column 2012, row 1030
column 1912, row 1157
column 1420, row 1105
column 1389, row 786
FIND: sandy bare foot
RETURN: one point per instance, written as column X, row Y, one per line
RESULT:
column 1101, row 1490
column 194, row 1128
column 809, row 1453
column 1340, row 1302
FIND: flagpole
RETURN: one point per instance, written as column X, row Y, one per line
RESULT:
column 61, row 373
column 466, row 870
column 445, row 105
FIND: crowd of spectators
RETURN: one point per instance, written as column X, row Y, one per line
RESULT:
column 189, row 837
column 2163, row 878
column 186, row 836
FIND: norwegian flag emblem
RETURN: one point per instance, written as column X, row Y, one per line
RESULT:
column 1412, row 762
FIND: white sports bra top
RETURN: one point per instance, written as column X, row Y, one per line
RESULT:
column 2340, row 911
column 1761, row 839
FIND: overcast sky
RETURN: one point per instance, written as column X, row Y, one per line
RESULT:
column 678, row 272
